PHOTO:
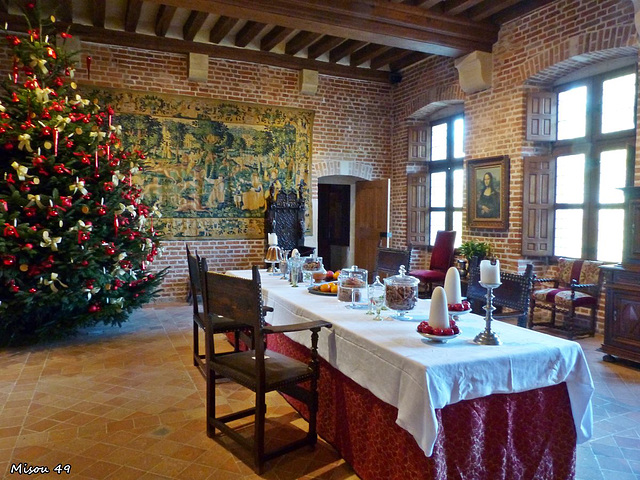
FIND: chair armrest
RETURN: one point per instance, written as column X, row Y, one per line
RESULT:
column 546, row 280
column 266, row 309
column 297, row 327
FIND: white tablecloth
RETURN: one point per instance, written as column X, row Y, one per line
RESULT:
column 400, row 367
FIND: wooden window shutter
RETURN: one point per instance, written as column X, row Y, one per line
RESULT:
column 417, row 209
column 542, row 116
column 418, row 144
column 538, row 214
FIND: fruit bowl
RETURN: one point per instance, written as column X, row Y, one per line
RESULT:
column 438, row 335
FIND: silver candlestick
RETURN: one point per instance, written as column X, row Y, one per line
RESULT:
column 487, row 337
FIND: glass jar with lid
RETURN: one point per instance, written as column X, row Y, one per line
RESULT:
column 401, row 293
column 352, row 287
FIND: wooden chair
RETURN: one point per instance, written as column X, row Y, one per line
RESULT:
column 441, row 259
column 577, row 285
column 259, row 370
column 196, row 266
column 285, row 216
column 388, row 261
column 514, row 293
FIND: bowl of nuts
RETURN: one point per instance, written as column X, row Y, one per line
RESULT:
column 401, row 294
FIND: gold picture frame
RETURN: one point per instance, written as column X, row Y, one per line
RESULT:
column 488, row 192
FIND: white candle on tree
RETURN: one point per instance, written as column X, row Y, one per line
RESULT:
column 490, row 272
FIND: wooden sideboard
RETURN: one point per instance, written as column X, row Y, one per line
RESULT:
column 622, row 313
column 622, row 308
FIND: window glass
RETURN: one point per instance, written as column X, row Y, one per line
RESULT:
column 437, row 223
column 572, row 113
column 568, row 234
column 438, row 189
column 610, row 234
column 458, row 138
column 570, row 179
column 458, row 179
column 613, row 173
column 618, row 103
column 439, row 142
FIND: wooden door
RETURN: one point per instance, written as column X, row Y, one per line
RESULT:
column 372, row 218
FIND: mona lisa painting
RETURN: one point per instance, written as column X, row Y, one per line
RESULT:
column 488, row 192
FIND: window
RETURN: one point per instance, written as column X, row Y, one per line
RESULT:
column 435, row 195
column 592, row 158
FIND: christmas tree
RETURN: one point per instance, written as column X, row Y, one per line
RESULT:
column 76, row 237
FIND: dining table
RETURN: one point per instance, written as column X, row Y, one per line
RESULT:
column 397, row 405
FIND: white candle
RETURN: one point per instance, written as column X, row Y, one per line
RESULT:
column 272, row 238
column 489, row 273
column 452, row 286
column 438, row 315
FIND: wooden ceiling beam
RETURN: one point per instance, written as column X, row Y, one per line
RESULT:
column 384, row 23
column 98, row 12
column 404, row 62
column 519, row 10
column 273, row 37
column 345, row 49
column 489, row 8
column 132, row 16
column 366, row 53
column 193, row 24
column 221, row 28
column 173, row 45
column 163, row 19
column 323, row 45
column 299, row 41
column 248, row 32
column 393, row 55
column 456, row 7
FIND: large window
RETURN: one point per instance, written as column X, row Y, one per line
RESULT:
column 435, row 194
column 594, row 159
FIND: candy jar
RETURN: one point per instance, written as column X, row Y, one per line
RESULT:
column 401, row 293
column 310, row 265
column 352, row 287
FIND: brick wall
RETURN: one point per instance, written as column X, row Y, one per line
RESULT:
column 531, row 52
column 352, row 126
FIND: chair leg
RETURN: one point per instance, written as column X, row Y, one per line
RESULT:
column 532, row 308
column 211, row 401
column 196, row 343
column 258, row 445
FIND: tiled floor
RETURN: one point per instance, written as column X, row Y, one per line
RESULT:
column 127, row 403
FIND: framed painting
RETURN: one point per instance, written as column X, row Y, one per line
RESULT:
column 213, row 164
column 488, row 192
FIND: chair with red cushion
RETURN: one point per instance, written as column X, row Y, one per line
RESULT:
column 441, row 259
column 577, row 285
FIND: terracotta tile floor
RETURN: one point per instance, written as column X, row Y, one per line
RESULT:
column 127, row 403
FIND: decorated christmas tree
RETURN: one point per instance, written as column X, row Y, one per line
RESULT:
column 76, row 237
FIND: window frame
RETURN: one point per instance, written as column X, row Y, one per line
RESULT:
column 592, row 145
column 447, row 165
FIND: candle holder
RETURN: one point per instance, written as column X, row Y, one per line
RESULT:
column 487, row 337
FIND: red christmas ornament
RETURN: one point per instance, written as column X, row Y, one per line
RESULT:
column 10, row 231
column 32, row 290
column 93, row 308
column 8, row 260
column 110, row 250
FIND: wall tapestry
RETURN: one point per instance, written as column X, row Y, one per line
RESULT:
column 213, row 162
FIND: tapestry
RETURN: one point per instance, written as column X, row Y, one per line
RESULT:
column 213, row 163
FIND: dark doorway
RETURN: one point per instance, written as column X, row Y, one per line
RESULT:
column 334, row 204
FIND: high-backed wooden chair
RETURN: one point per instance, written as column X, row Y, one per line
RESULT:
column 577, row 285
column 514, row 293
column 259, row 370
column 285, row 217
column 441, row 259
column 388, row 261
column 196, row 266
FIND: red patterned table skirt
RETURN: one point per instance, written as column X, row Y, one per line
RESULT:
column 528, row 435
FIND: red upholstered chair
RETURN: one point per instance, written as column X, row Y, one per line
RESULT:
column 577, row 285
column 441, row 259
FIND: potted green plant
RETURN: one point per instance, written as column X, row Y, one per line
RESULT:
column 469, row 250
column 472, row 248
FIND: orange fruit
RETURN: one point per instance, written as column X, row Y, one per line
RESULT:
column 334, row 288
column 325, row 287
column 336, row 274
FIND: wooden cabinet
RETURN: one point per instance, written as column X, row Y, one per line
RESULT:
column 622, row 313
column 631, row 252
